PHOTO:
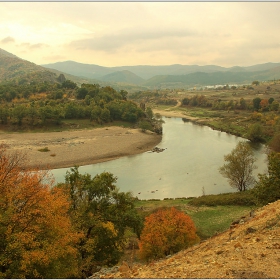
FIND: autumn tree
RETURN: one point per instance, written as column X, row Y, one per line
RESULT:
column 102, row 214
column 239, row 167
column 165, row 232
column 36, row 236
column 274, row 143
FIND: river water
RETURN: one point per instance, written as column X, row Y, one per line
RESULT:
column 189, row 164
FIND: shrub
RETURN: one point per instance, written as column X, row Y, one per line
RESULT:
column 165, row 232
column 46, row 149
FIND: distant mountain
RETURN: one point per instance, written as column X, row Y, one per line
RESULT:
column 90, row 71
column 144, row 71
column 134, row 78
column 215, row 78
column 171, row 75
column 124, row 76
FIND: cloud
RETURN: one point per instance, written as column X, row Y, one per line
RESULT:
column 54, row 58
column 33, row 46
column 7, row 40
column 136, row 37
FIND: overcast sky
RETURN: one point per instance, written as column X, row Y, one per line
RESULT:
column 142, row 33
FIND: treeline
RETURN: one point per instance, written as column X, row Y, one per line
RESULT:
column 256, row 104
column 37, row 103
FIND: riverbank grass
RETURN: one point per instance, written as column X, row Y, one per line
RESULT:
column 211, row 214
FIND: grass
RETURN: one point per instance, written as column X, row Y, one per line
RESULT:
column 211, row 213
column 212, row 220
column 236, row 199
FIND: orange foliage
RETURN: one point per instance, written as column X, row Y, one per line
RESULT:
column 165, row 232
column 36, row 236
column 264, row 103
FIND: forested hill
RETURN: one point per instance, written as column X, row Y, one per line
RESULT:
column 20, row 71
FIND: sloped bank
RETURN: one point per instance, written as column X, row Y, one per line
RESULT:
column 249, row 249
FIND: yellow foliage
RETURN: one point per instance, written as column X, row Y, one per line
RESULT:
column 110, row 226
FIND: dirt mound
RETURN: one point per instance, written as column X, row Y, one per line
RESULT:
column 250, row 249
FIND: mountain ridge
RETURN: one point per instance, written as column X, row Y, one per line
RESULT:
column 133, row 78
column 173, row 75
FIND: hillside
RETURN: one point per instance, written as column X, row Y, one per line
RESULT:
column 124, row 76
column 249, row 249
column 19, row 70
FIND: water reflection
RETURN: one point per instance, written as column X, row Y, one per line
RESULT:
column 190, row 162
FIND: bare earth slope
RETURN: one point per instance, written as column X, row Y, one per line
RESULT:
column 81, row 147
column 250, row 249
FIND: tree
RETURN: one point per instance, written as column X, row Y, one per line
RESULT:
column 165, row 232
column 101, row 213
column 239, row 167
column 19, row 112
column 267, row 188
column 255, row 83
column 274, row 143
column 264, row 104
column 36, row 236
column 149, row 113
column 255, row 133
column 256, row 103
column 69, row 84
column 145, row 125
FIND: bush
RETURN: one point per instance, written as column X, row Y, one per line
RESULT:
column 267, row 188
column 166, row 232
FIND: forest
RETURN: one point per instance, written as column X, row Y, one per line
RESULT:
column 38, row 104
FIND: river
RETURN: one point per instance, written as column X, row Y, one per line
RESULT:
column 189, row 163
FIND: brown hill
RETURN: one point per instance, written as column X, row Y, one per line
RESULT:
column 250, row 249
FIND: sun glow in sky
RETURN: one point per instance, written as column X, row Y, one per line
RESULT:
column 142, row 33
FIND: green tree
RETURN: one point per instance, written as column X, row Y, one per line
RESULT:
column 69, row 84
column 274, row 106
column 145, row 125
column 239, row 167
column 255, row 133
column 243, row 104
column 4, row 114
column 101, row 213
column 267, row 188
column 256, row 103
column 149, row 113
column 19, row 112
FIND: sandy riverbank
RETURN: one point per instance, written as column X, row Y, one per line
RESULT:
column 80, row 147
column 174, row 114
